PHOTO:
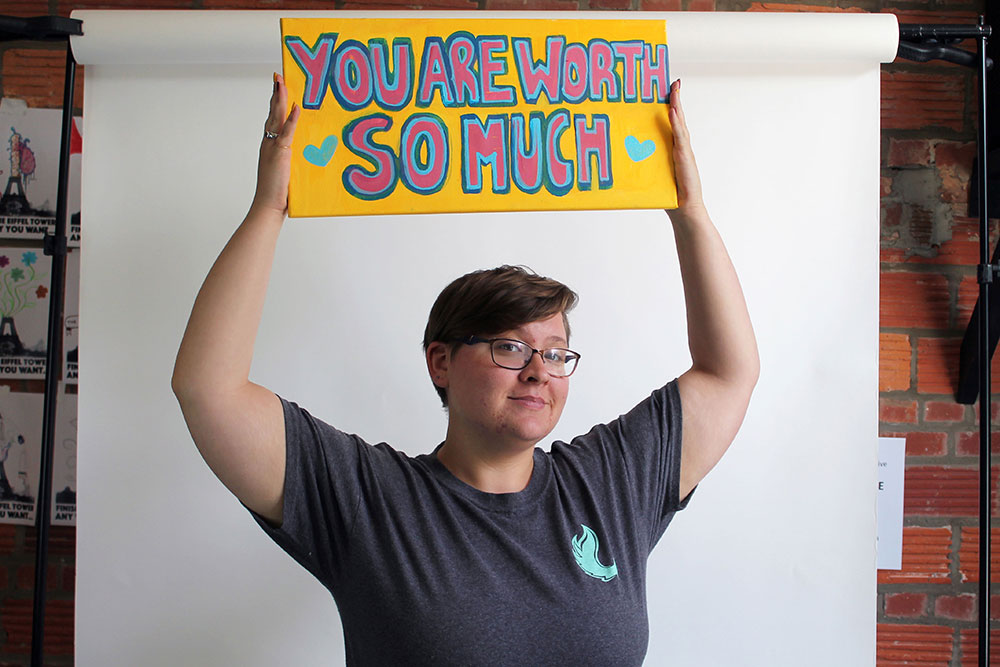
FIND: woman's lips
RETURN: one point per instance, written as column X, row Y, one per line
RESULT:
column 534, row 402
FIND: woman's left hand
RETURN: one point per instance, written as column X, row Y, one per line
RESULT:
column 689, row 199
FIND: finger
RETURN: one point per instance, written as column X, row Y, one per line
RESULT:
column 282, row 96
column 288, row 130
column 677, row 121
column 276, row 113
column 686, row 170
column 675, row 94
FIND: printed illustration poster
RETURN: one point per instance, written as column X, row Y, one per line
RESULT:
column 71, row 318
column 20, row 447
column 24, row 312
column 430, row 116
column 64, row 462
column 29, row 172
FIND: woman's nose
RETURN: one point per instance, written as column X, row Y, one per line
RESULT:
column 536, row 370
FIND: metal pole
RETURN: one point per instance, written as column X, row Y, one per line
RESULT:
column 55, row 246
column 985, row 391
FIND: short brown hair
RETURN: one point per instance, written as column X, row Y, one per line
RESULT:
column 491, row 301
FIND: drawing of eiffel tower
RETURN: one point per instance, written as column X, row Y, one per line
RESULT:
column 13, row 201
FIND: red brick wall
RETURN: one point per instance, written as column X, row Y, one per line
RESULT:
column 927, row 610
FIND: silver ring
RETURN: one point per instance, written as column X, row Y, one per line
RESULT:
column 270, row 135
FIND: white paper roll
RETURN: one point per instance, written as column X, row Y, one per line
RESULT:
column 253, row 37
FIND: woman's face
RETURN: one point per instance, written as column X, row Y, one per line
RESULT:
column 500, row 407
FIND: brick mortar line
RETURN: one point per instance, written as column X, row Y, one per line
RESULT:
column 959, row 270
column 939, row 133
column 947, row 334
column 925, row 521
column 938, row 427
column 934, row 620
column 937, row 396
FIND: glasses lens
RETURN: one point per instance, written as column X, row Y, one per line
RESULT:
column 560, row 362
column 515, row 355
column 511, row 353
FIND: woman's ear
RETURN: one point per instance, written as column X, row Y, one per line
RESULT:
column 437, row 363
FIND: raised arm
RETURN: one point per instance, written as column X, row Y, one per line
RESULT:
column 716, row 390
column 237, row 425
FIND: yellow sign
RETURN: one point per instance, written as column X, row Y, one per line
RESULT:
column 434, row 116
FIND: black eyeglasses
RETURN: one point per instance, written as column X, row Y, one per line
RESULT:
column 516, row 354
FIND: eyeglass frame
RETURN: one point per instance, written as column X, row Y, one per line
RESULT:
column 475, row 340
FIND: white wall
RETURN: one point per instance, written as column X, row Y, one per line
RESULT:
column 772, row 564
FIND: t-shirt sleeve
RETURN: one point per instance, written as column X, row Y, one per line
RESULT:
column 653, row 430
column 641, row 452
column 321, row 494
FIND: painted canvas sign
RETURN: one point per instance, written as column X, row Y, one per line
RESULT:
column 431, row 116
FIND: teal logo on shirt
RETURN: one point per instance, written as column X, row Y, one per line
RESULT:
column 585, row 548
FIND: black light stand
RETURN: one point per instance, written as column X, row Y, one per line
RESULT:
column 49, row 28
column 923, row 43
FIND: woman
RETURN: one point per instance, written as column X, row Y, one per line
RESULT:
column 487, row 550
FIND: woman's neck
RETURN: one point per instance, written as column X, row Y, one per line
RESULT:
column 490, row 472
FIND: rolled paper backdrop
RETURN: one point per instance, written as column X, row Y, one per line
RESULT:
column 252, row 37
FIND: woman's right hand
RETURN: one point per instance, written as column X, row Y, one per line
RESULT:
column 274, row 164
column 689, row 198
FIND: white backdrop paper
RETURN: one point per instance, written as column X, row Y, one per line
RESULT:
column 784, row 114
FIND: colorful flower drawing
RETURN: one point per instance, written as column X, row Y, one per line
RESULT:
column 20, row 289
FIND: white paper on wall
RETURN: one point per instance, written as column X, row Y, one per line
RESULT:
column 29, row 172
column 64, row 462
column 71, row 318
column 25, row 275
column 889, row 537
column 20, row 447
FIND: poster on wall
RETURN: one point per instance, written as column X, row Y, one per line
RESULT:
column 472, row 115
column 71, row 318
column 29, row 172
column 24, row 312
column 20, row 447
column 64, row 462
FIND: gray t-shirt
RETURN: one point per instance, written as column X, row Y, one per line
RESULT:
column 427, row 570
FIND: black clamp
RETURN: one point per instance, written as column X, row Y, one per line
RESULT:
column 54, row 245
column 922, row 43
column 39, row 28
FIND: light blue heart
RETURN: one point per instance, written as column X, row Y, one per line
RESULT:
column 637, row 150
column 321, row 156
